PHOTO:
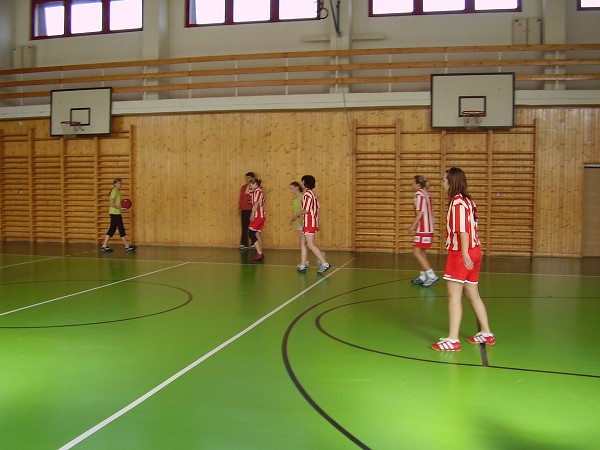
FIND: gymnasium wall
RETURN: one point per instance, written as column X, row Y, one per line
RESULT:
column 164, row 34
column 186, row 171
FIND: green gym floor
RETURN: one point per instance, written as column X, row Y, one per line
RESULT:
column 197, row 348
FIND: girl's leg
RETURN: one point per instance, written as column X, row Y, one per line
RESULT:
column 303, row 249
column 455, row 290
column 124, row 240
column 310, row 243
column 421, row 257
column 114, row 224
column 258, row 243
column 472, row 294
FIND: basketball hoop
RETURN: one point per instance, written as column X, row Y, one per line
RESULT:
column 71, row 128
column 473, row 119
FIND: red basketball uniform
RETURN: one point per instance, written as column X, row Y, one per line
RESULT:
column 425, row 227
column 310, row 220
column 462, row 218
column 257, row 221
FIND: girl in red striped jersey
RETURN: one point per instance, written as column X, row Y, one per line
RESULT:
column 423, row 227
column 310, row 226
column 257, row 217
column 463, row 263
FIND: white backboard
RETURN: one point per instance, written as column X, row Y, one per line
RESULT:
column 91, row 107
column 492, row 93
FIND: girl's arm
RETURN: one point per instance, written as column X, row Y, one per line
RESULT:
column 297, row 215
column 464, row 245
column 413, row 227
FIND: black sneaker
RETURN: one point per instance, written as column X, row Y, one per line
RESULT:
column 130, row 249
column 106, row 249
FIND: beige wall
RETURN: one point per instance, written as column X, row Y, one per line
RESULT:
column 187, row 170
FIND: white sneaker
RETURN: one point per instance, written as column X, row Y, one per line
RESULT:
column 323, row 268
column 301, row 268
column 430, row 280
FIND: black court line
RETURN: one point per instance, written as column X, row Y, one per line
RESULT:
column 296, row 381
column 189, row 298
column 485, row 362
column 323, row 413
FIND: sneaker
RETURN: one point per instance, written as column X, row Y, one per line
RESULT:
column 446, row 345
column 258, row 257
column 430, row 280
column 242, row 247
column 301, row 268
column 323, row 268
column 417, row 281
column 106, row 249
column 482, row 338
column 130, row 249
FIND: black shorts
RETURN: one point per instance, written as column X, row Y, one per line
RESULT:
column 116, row 222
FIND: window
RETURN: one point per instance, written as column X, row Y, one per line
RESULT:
column 229, row 12
column 417, row 7
column 588, row 4
column 57, row 18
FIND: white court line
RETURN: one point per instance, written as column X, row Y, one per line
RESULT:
column 89, row 290
column 186, row 369
column 30, row 262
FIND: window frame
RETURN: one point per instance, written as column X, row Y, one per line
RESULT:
column 274, row 17
column 469, row 9
column 67, row 20
column 586, row 8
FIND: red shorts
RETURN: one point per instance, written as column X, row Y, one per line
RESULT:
column 456, row 270
column 423, row 240
column 309, row 230
column 257, row 224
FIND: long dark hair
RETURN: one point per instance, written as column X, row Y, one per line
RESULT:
column 457, row 183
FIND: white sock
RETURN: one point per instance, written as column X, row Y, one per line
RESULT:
column 423, row 276
column 430, row 273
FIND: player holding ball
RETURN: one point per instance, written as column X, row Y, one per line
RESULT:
column 116, row 220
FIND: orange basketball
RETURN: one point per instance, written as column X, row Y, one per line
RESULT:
column 126, row 203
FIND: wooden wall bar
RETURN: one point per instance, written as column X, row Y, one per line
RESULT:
column 185, row 172
column 55, row 189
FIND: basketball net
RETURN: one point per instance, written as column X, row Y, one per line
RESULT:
column 472, row 119
column 70, row 129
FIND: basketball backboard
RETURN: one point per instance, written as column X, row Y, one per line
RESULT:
column 491, row 93
column 92, row 108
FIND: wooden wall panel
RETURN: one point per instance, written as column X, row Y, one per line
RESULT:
column 420, row 154
column 375, row 187
column 47, row 187
column 566, row 139
column 186, row 171
column 50, row 188
column 189, row 170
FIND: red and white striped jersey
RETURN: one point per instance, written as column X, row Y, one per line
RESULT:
column 310, row 204
column 462, row 218
column 422, row 202
column 258, row 197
